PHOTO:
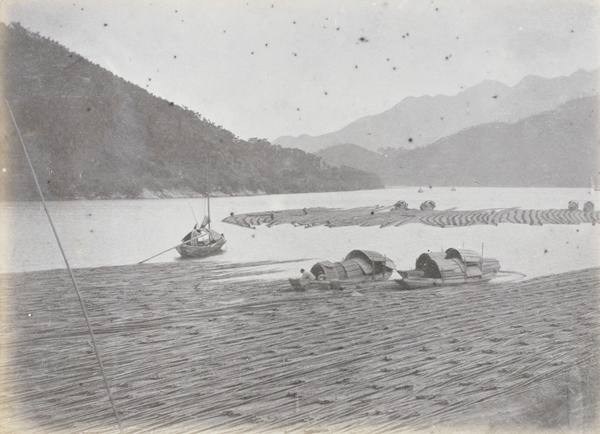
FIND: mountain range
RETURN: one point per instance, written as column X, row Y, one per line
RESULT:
column 91, row 134
column 420, row 121
column 556, row 148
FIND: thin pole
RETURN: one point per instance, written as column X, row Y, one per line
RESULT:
column 194, row 214
column 87, row 321
column 481, row 262
column 208, row 193
column 208, row 204
column 174, row 247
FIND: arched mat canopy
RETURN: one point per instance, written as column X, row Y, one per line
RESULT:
column 327, row 268
column 426, row 257
column 455, row 264
column 357, row 263
column 371, row 256
column 467, row 256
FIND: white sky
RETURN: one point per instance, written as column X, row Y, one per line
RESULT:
column 266, row 68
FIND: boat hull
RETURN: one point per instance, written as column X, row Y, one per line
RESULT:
column 188, row 251
column 428, row 282
column 301, row 284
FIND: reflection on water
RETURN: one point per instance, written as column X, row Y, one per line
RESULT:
column 105, row 233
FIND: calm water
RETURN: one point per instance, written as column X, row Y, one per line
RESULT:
column 104, row 233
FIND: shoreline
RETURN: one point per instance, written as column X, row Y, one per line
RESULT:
column 189, row 194
column 184, row 349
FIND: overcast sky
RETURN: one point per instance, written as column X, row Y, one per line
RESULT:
column 271, row 68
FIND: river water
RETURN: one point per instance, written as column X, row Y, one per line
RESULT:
column 119, row 232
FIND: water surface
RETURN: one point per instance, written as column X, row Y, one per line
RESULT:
column 119, row 232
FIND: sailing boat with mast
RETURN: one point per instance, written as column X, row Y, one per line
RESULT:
column 202, row 241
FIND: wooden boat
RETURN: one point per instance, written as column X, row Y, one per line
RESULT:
column 400, row 206
column 358, row 266
column 428, row 205
column 452, row 267
column 201, row 242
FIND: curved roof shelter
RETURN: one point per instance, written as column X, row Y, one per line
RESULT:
column 455, row 264
column 426, row 257
column 400, row 205
column 371, row 256
column 357, row 263
column 427, row 205
column 467, row 256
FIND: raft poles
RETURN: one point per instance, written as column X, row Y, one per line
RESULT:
column 87, row 321
column 512, row 272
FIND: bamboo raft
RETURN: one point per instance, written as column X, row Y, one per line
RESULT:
column 383, row 217
column 188, row 348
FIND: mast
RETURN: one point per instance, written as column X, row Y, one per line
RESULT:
column 208, row 207
column 208, row 194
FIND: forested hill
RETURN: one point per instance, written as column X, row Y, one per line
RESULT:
column 91, row 135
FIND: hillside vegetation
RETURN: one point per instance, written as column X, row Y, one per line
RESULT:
column 91, row 134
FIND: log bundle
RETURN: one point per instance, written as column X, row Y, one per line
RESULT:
column 193, row 346
column 382, row 217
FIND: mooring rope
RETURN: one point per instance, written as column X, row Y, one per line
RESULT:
column 87, row 321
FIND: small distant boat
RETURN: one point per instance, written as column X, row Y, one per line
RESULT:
column 452, row 267
column 420, row 190
column 453, row 189
column 358, row 266
column 428, row 205
column 400, row 206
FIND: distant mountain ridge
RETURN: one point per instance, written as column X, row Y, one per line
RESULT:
column 420, row 121
column 91, row 134
column 557, row 148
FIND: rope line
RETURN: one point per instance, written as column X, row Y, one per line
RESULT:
column 87, row 321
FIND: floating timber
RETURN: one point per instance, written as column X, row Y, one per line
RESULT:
column 192, row 346
column 382, row 217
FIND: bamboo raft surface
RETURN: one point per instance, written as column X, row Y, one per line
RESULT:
column 186, row 349
column 382, row 217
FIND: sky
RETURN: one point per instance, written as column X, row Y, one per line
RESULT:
column 268, row 68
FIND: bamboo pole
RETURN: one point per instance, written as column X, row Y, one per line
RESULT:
column 194, row 214
column 78, row 293
column 171, row 248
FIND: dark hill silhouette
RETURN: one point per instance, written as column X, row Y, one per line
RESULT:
column 351, row 155
column 558, row 148
column 91, row 134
